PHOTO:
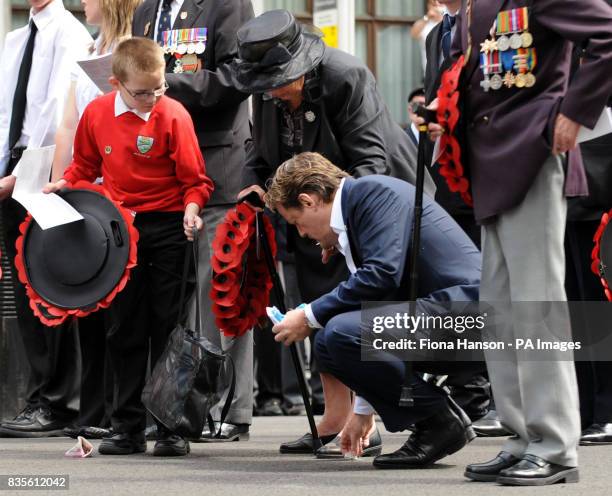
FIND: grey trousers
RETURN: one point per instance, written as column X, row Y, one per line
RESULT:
column 524, row 261
column 241, row 349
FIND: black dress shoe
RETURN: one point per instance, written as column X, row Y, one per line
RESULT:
column 123, row 444
column 303, row 445
column 535, row 471
column 23, row 415
column 270, row 408
column 440, row 435
column 229, row 432
column 332, row 450
column 293, row 410
column 490, row 426
column 170, row 444
column 88, row 432
column 596, row 435
column 40, row 423
column 488, row 471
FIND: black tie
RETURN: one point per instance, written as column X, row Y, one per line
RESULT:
column 19, row 98
column 165, row 21
column 447, row 25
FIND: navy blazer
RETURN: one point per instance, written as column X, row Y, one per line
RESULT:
column 378, row 213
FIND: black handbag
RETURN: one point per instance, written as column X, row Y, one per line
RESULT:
column 187, row 380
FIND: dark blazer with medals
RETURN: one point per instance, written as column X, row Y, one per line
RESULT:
column 219, row 112
column 509, row 131
column 352, row 126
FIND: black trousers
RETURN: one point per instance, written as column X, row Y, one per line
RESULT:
column 51, row 351
column 144, row 314
column 594, row 378
column 96, row 374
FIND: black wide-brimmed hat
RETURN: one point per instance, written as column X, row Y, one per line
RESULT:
column 77, row 268
column 273, row 51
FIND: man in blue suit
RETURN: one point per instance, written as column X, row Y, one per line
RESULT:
column 369, row 221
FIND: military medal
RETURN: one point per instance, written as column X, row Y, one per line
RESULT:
column 516, row 41
column 530, row 80
column 519, row 80
column 178, row 67
column 200, row 47
column 503, row 43
column 201, row 35
column 509, row 79
column 191, row 48
column 189, row 62
column 489, row 63
column 527, row 39
column 496, row 82
column 310, row 116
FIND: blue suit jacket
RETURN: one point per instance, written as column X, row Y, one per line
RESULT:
column 378, row 214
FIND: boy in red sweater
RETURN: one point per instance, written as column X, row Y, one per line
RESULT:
column 144, row 146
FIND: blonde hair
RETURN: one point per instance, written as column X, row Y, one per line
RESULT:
column 137, row 55
column 304, row 173
column 116, row 21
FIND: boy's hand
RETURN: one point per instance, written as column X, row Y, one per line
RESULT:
column 7, row 184
column 53, row 187
column 192, row 219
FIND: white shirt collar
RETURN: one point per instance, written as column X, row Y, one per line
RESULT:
column 337, row 222
column 46, row 15
column 121, row 108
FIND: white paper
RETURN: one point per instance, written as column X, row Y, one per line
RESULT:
column 49, row 210
column 99, row 69
column 603, row 126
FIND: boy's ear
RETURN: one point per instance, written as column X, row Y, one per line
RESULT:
column 114, row 82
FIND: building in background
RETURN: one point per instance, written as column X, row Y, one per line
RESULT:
column 380, row 37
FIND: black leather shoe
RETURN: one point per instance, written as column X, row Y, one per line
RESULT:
column 270, row 408
column 332, row 450
column 123, row 444
column 292, row 410
column 229, row 432
column 170, row 444
column 23, row 416
column 488, row 471
column 40, row 423
column 535, row 471
column 303, row 445
column 596, row 435
column 440, row 435
column 490, row 426
column 88, row 432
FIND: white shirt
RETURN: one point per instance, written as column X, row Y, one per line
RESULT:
column 61, row 39
column 361, row 407
column 85, row 90
column 175, row 6
column 121, row 108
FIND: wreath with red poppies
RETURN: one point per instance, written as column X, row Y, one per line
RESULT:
column 46, row 312
column 448, row 114
column 241, row 281
column 597, row 266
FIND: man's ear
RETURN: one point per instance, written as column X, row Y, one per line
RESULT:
column 114, row 82
column 307, row 200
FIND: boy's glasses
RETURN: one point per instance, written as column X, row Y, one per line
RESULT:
column 146, row 95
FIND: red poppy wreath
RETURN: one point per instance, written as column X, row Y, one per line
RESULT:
column 241, row 281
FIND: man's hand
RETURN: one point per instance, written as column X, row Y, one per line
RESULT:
column 260, row 192
column 434, row 130
column 7, row 184
column 192, row 219
column 292, row 328
column 566, row 132
column 355, row 434
column 54, row 187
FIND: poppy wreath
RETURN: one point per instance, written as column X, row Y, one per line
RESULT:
column 241, row 280
column 448, row 116
column 46, row 312
column 596, row 265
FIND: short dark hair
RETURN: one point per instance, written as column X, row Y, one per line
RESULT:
column 416, row 92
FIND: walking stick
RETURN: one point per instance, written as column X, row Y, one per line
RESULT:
column 406, row 396
column 253, row 199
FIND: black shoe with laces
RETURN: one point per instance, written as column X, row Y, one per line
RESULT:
column 170, row 444
column 23, row 416
column 123, row 444
column 40, row 423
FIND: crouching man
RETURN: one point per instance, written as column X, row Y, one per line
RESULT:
column 369, row 220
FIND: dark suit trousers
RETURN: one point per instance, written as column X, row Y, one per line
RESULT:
column 594, row 378
column 338, row 347
column 144, row 314
column 51, row 351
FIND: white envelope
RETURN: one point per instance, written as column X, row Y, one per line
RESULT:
column 603, row 127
